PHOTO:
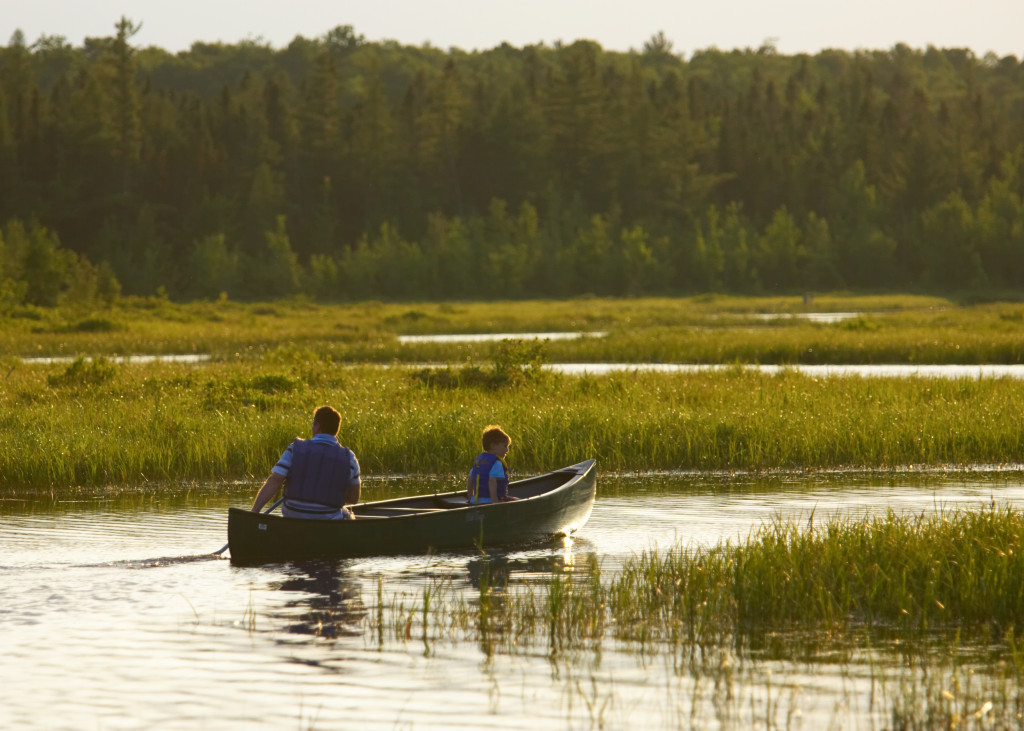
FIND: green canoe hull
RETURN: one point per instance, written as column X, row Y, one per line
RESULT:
column 552, row 504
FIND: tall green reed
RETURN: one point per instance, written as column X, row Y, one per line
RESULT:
column 171, row 422
column 954, row 572
column 892, row 329
column 949, row 569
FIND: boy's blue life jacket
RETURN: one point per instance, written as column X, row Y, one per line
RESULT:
column 481, row 475
column 320, row 473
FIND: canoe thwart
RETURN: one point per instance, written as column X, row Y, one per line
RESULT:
column 447, row 503
column 392, row 512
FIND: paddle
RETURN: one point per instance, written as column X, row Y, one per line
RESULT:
column 217, row 553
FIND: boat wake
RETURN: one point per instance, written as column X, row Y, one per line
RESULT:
column 153, row 563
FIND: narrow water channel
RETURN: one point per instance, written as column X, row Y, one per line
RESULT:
column 891, row 370
column 116, row 616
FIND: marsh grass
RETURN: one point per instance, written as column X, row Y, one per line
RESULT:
column 945, row 570
column 513, row 363
column 96, row 423
column 959, row 338
column 919, row 613
column 892, row 329
column 790, row 589
column 84, row 373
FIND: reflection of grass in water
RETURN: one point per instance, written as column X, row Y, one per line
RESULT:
column 934, row 691
column 895, row 593
column 249, row 619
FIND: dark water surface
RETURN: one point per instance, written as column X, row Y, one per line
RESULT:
column 114, row 615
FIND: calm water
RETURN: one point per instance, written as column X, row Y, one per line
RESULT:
column 817, row 371
column 826, row 318
column 193, row 358
column 596, row 369
column 111, row 617
column 489, row 337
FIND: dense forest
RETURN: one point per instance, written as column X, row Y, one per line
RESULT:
column 342, row 169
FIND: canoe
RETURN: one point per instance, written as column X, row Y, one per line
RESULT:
column 555, row 503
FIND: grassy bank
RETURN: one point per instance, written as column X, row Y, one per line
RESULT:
column 946, row 570
column 97, row 423
column 893, row 329
column 923, row 609
column 950, row 571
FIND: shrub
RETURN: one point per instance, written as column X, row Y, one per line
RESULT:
column 84, row 372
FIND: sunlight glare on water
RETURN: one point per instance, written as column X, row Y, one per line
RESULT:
column 489, row 337
column 120, row 618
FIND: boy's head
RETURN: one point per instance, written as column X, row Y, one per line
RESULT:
column 327, row 420
column 494, row 437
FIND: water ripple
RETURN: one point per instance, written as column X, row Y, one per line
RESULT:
column 88, row 640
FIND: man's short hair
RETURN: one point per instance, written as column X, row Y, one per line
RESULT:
column 492, row 435
column 328, row 420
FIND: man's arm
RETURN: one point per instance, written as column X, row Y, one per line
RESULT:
column 269, row 489
column 352, row 496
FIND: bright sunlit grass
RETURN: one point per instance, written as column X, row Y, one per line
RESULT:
column 65, row 425
column 950, row 572
column 708, row 329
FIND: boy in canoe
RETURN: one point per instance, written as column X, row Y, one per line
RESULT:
column 488, row 480
column 319, row 475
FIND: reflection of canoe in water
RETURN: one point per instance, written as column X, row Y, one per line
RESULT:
column 555, row 503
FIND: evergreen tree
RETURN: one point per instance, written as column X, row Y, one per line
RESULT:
column 450, row 259
column 575, row 111
column 275, row 272
column 639, row 268
column 215, row 268
column 953, row 259
column 370, row 172
column 41, row 265
column 779, row 254
column 125, row 98
column 999, row 224
column 745, row 170
column 864, row 253
column 739, row 271
column 819, row 271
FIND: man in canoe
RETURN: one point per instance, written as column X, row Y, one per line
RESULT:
column 488, row 480
column 319, row 475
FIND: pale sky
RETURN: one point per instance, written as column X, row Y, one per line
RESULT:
column 794, row 26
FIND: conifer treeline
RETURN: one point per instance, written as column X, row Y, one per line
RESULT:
column 344, row 169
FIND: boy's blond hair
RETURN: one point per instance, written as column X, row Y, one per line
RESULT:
column 492, row 435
